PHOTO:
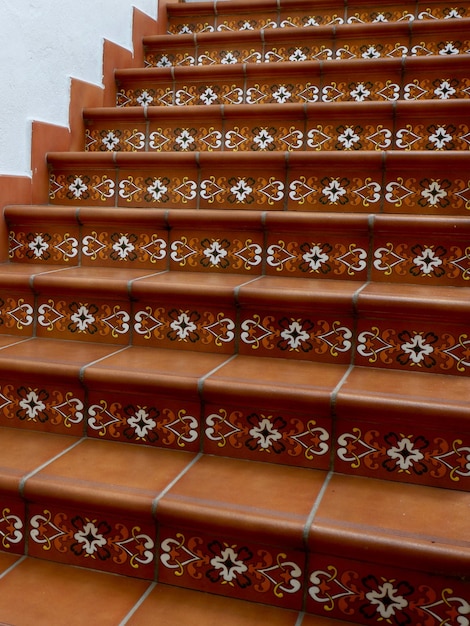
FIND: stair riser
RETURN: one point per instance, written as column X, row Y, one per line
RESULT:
column 360, row 183
column 325, row 14
column 313, row 130
column 277, row 247
column 418, row 38
column 388, row 80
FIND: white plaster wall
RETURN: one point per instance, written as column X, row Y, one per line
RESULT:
column 43, row 44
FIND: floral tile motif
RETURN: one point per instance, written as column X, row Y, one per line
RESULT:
column 288, row 438
column 12, row 525
column 42, row 407
column 439, row 194
column 16, row 314
column 336, row 258
column 302, row 336
column 83, row 320
column 232, row 568
column 290, row 18
column 145, row 420
column 417, row 262
column 308, row 49
column 372, row 594
column 432, row 458
column 127, row 249
column 386, row 86
column 426, row 349
column 116, row 139
column 234, row 252
column 92, row 188
column 59, row 245
column 92, row 540
column 210, row 330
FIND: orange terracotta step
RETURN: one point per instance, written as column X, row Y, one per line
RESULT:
column 350, row 126
column 59, row 594
column 406, row 182
column 209, row 17
column 386, row 80
column 169, row 516
column 324, row 43
column 297, row 244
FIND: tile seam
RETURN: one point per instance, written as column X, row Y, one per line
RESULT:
column 13, row 566
column 24, row 479
column 138, row 604
column 172, row 483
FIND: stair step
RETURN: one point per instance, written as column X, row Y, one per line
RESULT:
column 368, row 421
column 59, row 594
column 323, row 43
column 214, row 16
column 351, row 126
column 433, row 183
column 298, row 533
column 309, row 245
column 395, row 325
column 384, row 80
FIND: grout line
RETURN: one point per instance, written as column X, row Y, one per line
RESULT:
column 12, row 567
column 171, row 484
column 300, row 619
column 138, row 604
column 315, row 507
column 45, row 464
column 334, row 397
column 202, row 380
column 81, row 373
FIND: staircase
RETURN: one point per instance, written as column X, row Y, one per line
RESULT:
column 235, row 345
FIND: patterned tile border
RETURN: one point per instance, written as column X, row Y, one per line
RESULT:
column 371, row 594
column 255, row 19
column 223, row 566
column 97, row 541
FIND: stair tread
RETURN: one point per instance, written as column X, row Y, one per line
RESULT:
column 59, row 593
column 274, row 505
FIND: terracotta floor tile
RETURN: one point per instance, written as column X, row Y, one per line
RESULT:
column 267, row 498
column 64, row 358
column 405, row 520
column 140, row 368
column 171, row 605
column 108, row 476
column 24, row 451
column 48, row 594
column 6, row 561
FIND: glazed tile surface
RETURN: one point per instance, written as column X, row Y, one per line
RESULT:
column 234, row 346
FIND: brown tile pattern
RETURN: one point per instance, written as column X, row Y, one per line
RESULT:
column 269, row 303
column 300, row 15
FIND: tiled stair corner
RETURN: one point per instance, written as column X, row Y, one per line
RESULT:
column 234, row 346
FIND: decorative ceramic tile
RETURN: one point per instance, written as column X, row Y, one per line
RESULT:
column 272, row 436
column 44, row 407
column 171, row 326
column 147, row 420
column 97, row 541
column 17, row 312
column 84, row 320
column 427, row 457
column 300, row 335
column 120, row 137
column 422, row 347
column 204, row 251
column 335, row 258
column 124, row 248
column 369, row 593
column 56, row 245
column 232, row 568
column 422, row 261
column 12, row 525
column 92, row 188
